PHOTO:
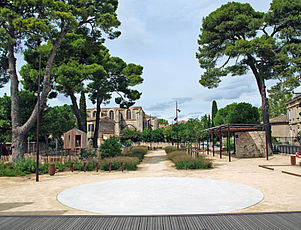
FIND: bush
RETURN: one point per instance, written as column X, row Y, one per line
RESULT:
column 88, row 153
column 111, row 148
column 169, row 149
column 184, row 161
column 21, row 168
column 129, row 163
column 137, row 151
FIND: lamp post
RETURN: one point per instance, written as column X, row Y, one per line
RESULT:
column 150, row 128
column 177, row 123
column 38, row 119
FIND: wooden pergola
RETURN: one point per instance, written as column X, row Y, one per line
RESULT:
column 231, row 128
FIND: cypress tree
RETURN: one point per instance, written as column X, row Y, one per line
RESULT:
column 83, row 109
column 213, row 112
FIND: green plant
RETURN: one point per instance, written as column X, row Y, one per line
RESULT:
column 110, row 148
column 184, row 161
column 169, row 149
column 129, row 163
column 137, row 151
column 88, row 153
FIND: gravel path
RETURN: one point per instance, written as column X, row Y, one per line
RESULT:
column 23, row 196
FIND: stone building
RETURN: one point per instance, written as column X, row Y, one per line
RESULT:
column 280, row 126
column 114, row 120
column 293, row 113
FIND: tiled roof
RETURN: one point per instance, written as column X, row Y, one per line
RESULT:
column 279, row 119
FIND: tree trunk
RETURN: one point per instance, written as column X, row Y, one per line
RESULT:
column 76, row 110
column 19, row 132
column 264, row 105
column 95, row 136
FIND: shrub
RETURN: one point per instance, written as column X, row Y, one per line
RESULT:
column 184, row 161
column 111, row 148
column 137, row 151
column 169, row 149
column 88, row 153
column 129, row 163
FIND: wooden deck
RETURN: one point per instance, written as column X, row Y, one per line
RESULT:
column 281, row 220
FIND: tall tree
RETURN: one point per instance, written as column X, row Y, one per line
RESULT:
column 113, row 76
column 237, row 113
column 31, row 22
column 250, row 40
column 213, row 111
column 83, row 109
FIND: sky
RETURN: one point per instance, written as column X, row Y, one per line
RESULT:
column 161, row 35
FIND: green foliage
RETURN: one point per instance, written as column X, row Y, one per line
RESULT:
column 157, row 135
column 242, row 39
column 162, row 122
column 57, row 120
column 279, row 95
column 146, row 135
column 241, row 113
column 184, row 161
column 130, row 134
column 170, row 149
column 110, row 148
column 129, row 163
column 213, row 112
column 83, row 109
column 88, row 153
column 137, row 151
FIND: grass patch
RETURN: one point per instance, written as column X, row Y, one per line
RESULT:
column 184, row 161
column 170, row 149
column 136, row 151
column 129, row 163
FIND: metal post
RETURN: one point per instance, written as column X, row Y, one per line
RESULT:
column 38, row 119
column 229, row 151
column 234, row 143
column 266, row 127
column 213, row 144
column 207, row 143
column 97, row 165
column 221, row 143
column 177, row 125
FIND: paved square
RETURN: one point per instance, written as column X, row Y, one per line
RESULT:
column 159, row 196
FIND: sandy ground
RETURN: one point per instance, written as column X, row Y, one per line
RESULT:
column 24, row 196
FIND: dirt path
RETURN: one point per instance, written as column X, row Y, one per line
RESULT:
column 156, row 162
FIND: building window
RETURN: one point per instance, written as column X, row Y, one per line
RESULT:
column 94, row 113
column 111, row 115
column 104, row 114
column 91, row 127
column 128, row 115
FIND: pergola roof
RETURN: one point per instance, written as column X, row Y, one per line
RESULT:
column 233, row 128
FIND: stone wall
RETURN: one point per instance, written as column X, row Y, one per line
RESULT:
column 250, row 144
column 154, row 144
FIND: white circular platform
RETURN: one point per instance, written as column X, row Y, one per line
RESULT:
column 159, row 196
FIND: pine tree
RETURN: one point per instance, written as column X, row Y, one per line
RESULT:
column 83, row 109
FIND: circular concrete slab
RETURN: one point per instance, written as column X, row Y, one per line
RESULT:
column 158, row 196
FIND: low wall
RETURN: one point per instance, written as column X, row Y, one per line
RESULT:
column 154, row 144
column 250, row 144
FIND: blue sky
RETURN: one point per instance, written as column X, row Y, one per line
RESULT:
column 161, row 35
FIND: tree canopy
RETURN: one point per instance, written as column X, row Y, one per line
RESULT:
column 29, row 23
column 237, row 113
column 243, row 39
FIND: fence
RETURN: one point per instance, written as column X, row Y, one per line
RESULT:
column 290, row 149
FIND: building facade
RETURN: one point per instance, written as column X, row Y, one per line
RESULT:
column 114, row 120
column 293, row 113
